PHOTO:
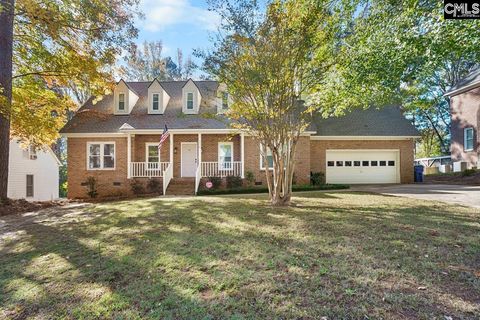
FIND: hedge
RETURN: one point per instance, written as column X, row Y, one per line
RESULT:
column 248, row 190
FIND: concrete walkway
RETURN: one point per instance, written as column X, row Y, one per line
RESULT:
column 456, row 194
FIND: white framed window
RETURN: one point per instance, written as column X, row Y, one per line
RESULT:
column 224, row 100
column 468, row 139
column 101, row 155
column 268, row 154
column 152, row 154
column 189, row 100
column 32, row 153
column 29, row 185
column 121, row 101
column 225, row 155
column 155, row 101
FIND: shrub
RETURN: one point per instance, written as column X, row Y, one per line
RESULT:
column 137, row 187
column 317, row 178
column 216, row 182
column 91, row 187
column 154, row 186
column 261, row 189
column 468, row 172
column 250, row 177
column 234, row 182
column 63, row 189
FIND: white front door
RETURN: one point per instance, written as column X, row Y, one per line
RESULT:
column 188, row 159
column 363, row 166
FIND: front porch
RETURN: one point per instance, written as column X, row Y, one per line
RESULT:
column 189, row 155
column 207, row 169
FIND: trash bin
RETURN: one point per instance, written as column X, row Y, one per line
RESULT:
column 418, row 173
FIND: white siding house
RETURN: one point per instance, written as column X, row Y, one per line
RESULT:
column 33, row 174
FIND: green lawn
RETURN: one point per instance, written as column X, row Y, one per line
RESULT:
column 336, row 255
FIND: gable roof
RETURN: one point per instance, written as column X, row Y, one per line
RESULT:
column 469, row 82
column 99, row 117
column 387, row 121
column 160, row 83
column 126, row 83
column 191, row 80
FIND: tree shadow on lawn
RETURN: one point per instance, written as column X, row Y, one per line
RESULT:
column 222, row 257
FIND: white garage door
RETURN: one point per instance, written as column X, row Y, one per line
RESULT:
column 363, row 166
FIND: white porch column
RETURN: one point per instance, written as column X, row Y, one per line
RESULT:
column 199, row 149
column 242, row 153
column 129, row 156
column 171, row 149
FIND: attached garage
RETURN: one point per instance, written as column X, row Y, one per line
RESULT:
column 375, row 145
column 363, row 166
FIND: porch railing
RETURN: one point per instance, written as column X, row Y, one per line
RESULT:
column 167, row 176
column 221, row 169
column 147, row 169
column 198, row 177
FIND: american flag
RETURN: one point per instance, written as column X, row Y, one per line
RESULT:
column 164, row 137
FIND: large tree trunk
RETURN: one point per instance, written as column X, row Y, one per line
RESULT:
column 280, row 179
column 6, row 49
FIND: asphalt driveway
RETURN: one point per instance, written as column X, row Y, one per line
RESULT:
column 457, row 194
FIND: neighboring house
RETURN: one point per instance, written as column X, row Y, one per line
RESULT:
column 465, row 114
column 115, row 140
column 33, row 173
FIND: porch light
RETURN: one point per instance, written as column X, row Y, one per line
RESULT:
column 175, row 150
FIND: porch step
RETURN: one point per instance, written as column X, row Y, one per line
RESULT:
column 181, row 187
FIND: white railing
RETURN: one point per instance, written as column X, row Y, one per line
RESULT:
column 167, row 176
column 198, row 177
column 219, row 169
column 147, row 169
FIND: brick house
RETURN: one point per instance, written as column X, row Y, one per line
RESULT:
column 116, row 139
column 465, row 119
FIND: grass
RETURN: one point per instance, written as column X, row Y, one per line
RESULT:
column 340, row 255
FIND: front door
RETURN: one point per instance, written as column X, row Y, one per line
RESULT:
column 189, row 159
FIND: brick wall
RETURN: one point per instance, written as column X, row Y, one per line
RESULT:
column 177, row 143
column 310, row 156
column 465, row 113
column 319, row 147
column 302, row 166
column 139, row 144
column 210, row 146
column 78, row 173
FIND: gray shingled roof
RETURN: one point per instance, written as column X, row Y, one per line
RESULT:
column 386, row 121
column 472, row 78
column 99, row 117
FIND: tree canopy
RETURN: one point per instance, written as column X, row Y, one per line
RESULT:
column 401, row 52
column 267, row 66
column 63, row 45
column 147, row 63
column 336, row 55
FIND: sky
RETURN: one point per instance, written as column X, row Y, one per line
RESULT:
column 183, row 24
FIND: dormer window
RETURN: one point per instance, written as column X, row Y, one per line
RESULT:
column 155, row 99
column 121, row 101
column 125, row 99
column 224, row 100
column 189, row 100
